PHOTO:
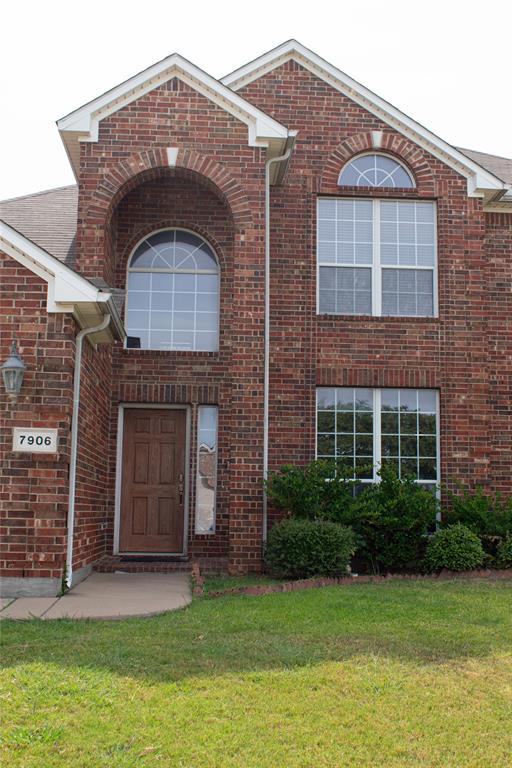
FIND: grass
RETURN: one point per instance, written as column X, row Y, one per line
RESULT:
column 401, row 674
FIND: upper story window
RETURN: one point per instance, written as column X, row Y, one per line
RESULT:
column 173, row 293
column 376, row 257
column 375, row 171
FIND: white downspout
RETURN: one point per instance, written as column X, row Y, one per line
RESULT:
column 74, row 442
column 266, row 370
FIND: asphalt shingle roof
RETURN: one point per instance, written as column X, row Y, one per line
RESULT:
column 499, row 166
column 47, row 218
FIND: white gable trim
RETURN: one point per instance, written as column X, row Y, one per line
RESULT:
column 481, row 183
column 83, row 123
column 68, row 292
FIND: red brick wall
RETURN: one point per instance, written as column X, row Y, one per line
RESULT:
column 34, row 487
column 449, row 352
column 94, row 496
column 498, row 250
column 218, row 190
column 179, row 377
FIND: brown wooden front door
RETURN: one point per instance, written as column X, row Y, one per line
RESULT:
column 152, row 495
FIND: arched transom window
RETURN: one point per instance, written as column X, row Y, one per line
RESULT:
column 375, row 171
column 173, row 293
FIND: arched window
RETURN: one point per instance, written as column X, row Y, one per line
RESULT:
column 375, row 171
column 173, row 293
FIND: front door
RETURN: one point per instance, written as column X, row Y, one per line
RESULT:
column 152, row 505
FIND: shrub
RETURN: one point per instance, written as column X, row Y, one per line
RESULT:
column 487, row 516
column 319, row 490
column 455, row 548
column 300, row 548
column 504, row 553
column 390, row 520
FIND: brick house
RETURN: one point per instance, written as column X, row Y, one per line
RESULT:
column 248, row 272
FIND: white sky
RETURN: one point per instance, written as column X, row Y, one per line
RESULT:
column 446, row 64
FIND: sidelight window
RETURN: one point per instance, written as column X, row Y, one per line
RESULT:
column 206, row 476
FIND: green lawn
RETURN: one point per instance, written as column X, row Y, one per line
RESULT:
column 400, row 674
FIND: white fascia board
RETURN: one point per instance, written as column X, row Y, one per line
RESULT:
column 85, row 120
column 478, row 178
column 65, row 287
column 67, row 292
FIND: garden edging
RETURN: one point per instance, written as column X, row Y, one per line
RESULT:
column 314, row 583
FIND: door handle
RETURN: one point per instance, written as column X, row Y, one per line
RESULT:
column 180, row 488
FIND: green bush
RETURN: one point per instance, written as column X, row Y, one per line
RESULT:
column 299, row 548
column 504, row 553
column 487, row 516
column 391, row 520
column 319, row 490
column 456, row 548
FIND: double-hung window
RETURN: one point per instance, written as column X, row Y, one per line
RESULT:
column 364, row 428
column 376, row 257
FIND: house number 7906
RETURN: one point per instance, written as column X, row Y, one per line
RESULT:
column 34, row 440
column 39, row 440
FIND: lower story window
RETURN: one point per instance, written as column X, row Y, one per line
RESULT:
column 363, row 429
column 206, row 476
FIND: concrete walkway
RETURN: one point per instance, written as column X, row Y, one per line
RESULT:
column 107, row 596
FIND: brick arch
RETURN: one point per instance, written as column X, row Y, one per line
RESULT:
column 150, row 164
column 404, row 150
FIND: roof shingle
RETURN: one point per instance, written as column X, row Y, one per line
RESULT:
column 499, row 166
column 47, row 218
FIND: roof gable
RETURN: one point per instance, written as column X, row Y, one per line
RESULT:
column 83, row 123
column 481, row 182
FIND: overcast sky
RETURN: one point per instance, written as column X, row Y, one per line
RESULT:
column 446, row 64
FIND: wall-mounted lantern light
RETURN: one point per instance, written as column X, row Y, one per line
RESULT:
column 12, row 371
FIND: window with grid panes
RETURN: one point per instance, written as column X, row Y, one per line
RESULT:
column 363, row 428
column 375, row 170
column 376, row 257
column 173, row 293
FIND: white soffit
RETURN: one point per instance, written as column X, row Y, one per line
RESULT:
column 83, row 123
column 481, row 183
column 68, row 292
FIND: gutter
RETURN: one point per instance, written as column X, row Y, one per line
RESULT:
column 266, row 371
column 74, row 442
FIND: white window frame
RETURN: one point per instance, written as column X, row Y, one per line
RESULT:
column 130, row 269
column 377, row 186
column 376, row 266
column 377, row 443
